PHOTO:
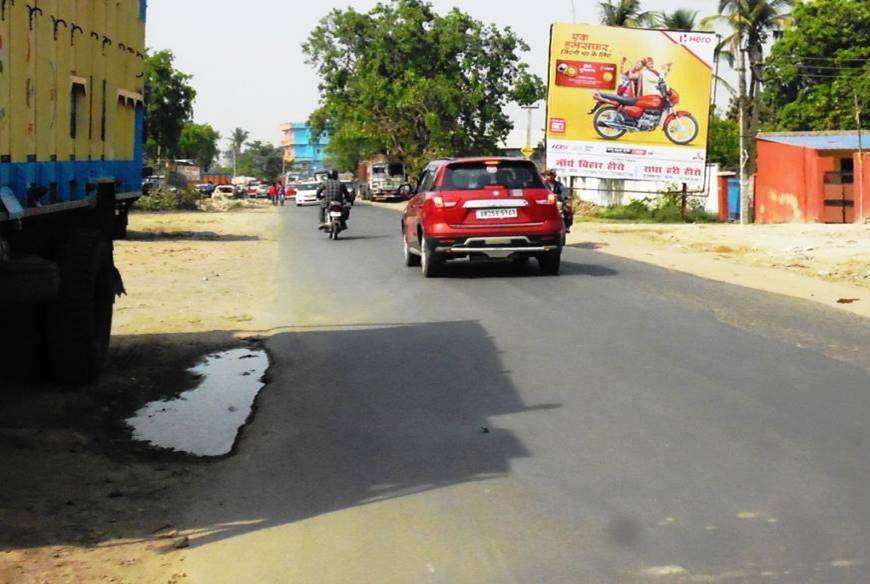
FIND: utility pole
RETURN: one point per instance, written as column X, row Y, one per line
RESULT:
column 573, row 13
column 745, row 199
column 528, row 150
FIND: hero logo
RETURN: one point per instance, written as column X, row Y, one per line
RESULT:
column 696, row 39
column 558, row 125
column 559, row 147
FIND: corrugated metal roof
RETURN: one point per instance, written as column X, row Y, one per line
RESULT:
column 819, row 140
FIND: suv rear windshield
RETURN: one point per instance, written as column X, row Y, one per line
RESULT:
column 477, row 175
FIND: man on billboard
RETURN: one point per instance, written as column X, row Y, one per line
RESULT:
column 614, row 113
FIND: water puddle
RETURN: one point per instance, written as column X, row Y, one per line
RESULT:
column 205, row 421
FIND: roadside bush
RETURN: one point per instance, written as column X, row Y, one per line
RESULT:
column 165, row 200
column 666, row 209
column 634, row 211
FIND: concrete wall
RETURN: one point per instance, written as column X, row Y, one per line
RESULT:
column 781, row 183
column 607, row 193
column 862, row 205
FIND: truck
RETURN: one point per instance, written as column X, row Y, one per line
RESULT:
column 380, row 179
column 71, row 149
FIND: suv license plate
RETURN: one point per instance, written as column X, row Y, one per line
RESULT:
column 497, row 214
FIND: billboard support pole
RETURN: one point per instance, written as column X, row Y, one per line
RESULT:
column 684, row 199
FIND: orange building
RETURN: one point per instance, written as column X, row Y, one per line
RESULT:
column 812, row 177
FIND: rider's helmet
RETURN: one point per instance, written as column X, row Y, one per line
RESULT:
column 332, row 174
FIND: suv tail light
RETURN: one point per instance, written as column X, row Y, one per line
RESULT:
column 445, row 203
column 550, row 200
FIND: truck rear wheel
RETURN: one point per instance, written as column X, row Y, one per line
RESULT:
column 27, row 280
column 79, row 323
column 20, row 339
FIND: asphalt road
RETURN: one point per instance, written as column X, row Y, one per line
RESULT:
column 618, row 423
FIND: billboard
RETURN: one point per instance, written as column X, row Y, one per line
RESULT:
column 628, row 103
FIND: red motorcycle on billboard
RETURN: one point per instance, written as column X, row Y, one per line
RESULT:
column 616, row 115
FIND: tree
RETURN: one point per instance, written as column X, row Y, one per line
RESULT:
column 625, row 13
column 199, row 142
column 724, row 143
column 751, row 23
column 169, row 104
column 238, row 139
column 405, row 81
column 820, row 65
column 261, row 159
column 679, row 19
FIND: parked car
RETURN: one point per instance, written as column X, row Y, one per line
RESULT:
column 482, row 208
column 206, row 189
column 306, row 192
column 224, row 192
column 262, row 191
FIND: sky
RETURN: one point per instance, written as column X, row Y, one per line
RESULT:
column 248, row 68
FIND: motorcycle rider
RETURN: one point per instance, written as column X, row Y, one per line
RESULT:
column 331, row 190
column 556, row 187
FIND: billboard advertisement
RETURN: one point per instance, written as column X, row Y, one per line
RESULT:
column 627, row 103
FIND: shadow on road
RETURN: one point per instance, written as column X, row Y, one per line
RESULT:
column 508, row 269
column 348, row 418
column 590, row 245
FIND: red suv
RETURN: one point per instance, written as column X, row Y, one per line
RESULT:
column 482, row 208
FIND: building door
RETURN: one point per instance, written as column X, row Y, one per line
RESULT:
column 734, row 199
column 840, row 194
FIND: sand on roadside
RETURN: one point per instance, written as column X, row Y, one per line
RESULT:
column 80, row 502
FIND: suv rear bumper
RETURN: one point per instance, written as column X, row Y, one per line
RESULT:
column 495, row 247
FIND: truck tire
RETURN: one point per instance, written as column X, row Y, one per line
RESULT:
column 79, row 323
column 20, row 341
column 28, row 280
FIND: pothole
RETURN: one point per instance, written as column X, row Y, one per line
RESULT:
column 206, row 420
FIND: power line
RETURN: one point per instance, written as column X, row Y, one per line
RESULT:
column 832, row 59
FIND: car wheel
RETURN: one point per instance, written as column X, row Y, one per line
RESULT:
column 429, row 261
column 412, row 260
column 550, row 263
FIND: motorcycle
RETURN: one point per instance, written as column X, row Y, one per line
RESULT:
column 616, row 115
column 335, row 220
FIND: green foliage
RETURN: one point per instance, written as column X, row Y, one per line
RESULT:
column 634, row 211
column 679, row 19
column 818, row 66
column 261, row 160
column 665, row 209
column 408, row 82
column 164, row 199
column 725, row 143
column 199, row 142
column 625, row 13
column 169, row 104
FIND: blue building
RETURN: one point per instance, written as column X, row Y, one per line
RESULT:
column 301, row 153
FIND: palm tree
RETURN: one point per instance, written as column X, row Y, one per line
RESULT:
column 751, row 23
column 238, row 140
column 625, row 13
column 679, row 19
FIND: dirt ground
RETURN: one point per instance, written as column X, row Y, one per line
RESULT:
column 829, row 264
column 80, row 502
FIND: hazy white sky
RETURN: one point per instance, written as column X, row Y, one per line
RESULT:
column 247, row 64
